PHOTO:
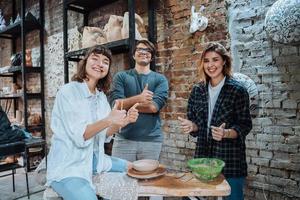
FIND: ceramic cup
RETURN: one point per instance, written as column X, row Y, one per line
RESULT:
column 19, row 116
column 6, row 90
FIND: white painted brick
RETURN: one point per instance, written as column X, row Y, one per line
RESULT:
column 284, row 165
column 260, row 161
column 266, row 154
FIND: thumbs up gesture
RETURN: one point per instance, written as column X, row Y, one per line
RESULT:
column 117, row 117
column 218, row 133
column 146, row 95
column 132, row 114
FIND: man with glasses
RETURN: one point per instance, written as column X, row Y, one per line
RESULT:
column 143, row 139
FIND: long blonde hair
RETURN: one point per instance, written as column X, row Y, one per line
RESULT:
column 219, row 49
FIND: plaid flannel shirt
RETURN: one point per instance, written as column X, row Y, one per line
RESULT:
column 232, row 108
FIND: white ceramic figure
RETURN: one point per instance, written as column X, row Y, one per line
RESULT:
column 18, row 18
column 198, row 21
column 252, row 90
column 11, row 21
column 2, row 21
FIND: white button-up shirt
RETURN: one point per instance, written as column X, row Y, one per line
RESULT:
column 70, row 155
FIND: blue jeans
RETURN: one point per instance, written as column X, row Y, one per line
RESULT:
column 75, row 188
column 118, row 164
column 135, row 150
column 237, row 185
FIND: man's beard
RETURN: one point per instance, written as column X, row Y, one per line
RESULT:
column 143, row 63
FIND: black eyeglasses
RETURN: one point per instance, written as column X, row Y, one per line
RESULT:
column 143, row 50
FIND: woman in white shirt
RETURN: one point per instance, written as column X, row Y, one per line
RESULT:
column 82, row 121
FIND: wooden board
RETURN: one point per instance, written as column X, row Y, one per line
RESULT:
column 169, row 185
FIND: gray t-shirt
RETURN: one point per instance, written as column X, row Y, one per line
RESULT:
column 129, row 83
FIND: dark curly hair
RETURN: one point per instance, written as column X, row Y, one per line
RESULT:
column 104, row 83
column 148, row 44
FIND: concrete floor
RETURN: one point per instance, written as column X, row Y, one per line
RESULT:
column 6, row 188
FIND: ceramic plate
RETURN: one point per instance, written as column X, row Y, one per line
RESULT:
column 161, row 170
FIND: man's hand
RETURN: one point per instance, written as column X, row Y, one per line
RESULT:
column 146, row 96
column 187, row 126
column 218, row 132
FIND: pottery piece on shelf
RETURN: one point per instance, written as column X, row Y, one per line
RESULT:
column 28, row 58
column 2, row 21
column 18, row 18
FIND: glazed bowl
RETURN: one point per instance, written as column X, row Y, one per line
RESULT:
column 145, row 165
column 206, row 169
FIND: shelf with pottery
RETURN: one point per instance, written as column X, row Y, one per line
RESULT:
column 14, row 30
column 10, row 70
column 87, row 5
column 119, row 46
column 11, row 96
column 16, row 96
column 35, row 147
column 119, row 34
column 35, row 128
column 22, row 97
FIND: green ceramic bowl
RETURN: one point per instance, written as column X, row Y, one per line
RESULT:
column 206, row 168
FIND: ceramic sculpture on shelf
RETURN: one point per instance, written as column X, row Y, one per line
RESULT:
column 113, row 28
column 28, row 58
column 11, row 21
column 2, row 21
column 18, row 18
column 283, row 22
column 139, row 25
column 92, row 36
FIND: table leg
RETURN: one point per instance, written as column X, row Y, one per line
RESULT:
column 220, row 198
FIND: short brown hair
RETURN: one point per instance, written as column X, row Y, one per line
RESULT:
column 149, row 44
column 104, row 83
column 219, row 49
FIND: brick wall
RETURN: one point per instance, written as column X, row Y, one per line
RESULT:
column 178, row 53
column 273, row 144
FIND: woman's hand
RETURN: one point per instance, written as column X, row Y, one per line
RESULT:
column 218, row 133
column 117, row 117
column 132, row 114
column 187, row 126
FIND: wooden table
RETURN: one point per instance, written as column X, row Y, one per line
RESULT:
column 187, row 185
column 173, row 186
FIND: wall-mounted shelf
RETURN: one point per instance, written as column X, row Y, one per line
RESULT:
column 19, row 74
column 14, row 30
column 11, row 96
column 10, row 71
column 119, row 46
column 17, row 96
column 18, row 69
column 86, row 5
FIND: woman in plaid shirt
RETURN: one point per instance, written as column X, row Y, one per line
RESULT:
column 218, row 114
